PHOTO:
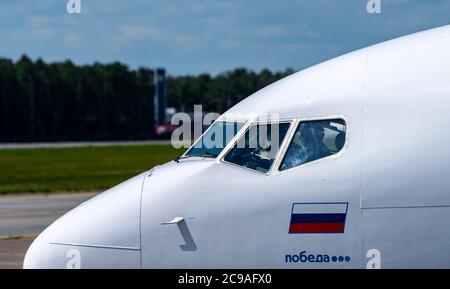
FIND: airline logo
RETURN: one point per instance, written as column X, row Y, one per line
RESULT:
column 318, row 218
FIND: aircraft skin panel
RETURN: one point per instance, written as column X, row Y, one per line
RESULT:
column 102, row 229
column 409, row 237
column 406, row 41
column 85, row 257
column 244, row 220
column 331, row 88
column 406, row 160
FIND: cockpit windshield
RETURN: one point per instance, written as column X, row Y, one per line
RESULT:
column 215, row 139
column 258, row 147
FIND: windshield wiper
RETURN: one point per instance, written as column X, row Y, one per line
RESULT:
column 177, row 159
column 205, row 154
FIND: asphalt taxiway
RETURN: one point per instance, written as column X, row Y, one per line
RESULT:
column 23, row 217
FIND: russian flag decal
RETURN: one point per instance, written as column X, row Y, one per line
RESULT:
column 310, row 218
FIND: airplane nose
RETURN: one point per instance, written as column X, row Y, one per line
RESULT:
column 44, row 253
column 41, row 254
column 100, row 233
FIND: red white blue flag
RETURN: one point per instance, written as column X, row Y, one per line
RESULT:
column 318, row 218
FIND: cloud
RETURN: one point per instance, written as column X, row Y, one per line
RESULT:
column 184, row 40
column 141, row 32
column 73, row 41
column 231, row 44
column 270, row 31
column 44, row 34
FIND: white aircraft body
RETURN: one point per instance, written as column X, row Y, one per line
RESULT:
column 361, row 178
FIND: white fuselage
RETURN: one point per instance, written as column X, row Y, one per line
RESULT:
column 392, row 175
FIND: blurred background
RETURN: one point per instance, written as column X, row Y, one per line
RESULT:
column 86, row 98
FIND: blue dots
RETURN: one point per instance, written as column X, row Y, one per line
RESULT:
column 340, row 258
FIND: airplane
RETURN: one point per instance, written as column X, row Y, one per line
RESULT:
column 360, row 178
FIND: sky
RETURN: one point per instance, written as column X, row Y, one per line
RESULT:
column 212, row 36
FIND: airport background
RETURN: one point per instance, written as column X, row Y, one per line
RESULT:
column 42, row 102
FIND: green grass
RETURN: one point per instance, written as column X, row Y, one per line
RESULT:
column 76, row 169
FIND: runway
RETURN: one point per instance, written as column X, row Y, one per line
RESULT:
column 23, row 217
column 13, row 251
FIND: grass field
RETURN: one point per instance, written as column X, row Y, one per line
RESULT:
column 76, row 169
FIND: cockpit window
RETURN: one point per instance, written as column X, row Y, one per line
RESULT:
column 314, row 140
column 215, row 139
column 259, row 146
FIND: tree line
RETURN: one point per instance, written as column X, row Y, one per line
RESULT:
column 220, row 92
column 67, row 102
